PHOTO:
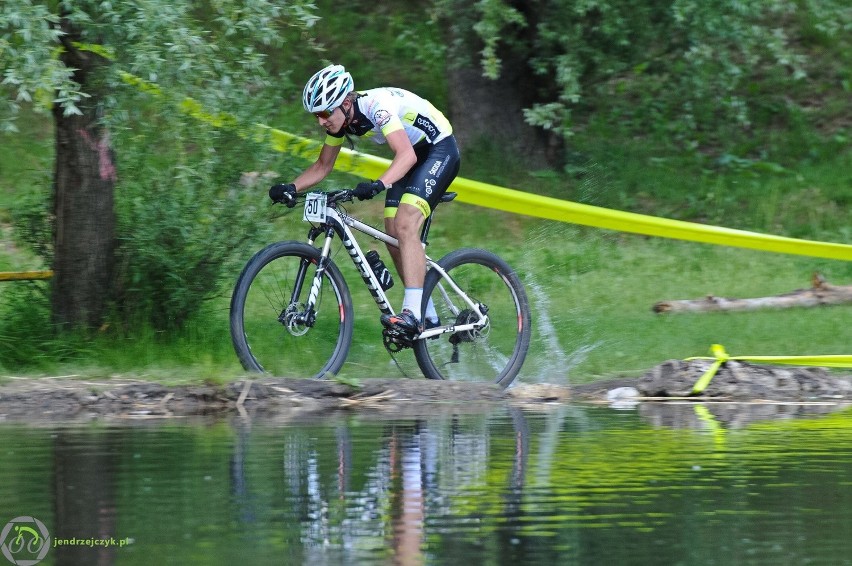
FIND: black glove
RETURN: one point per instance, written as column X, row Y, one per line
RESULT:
column 366, row 191
column 285, row 194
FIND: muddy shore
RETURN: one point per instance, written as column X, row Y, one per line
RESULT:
column 60, row 400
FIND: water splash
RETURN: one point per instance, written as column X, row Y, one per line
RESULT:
column 554, row 361
column 546, row 330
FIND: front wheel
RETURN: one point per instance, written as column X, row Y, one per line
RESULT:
column 494, row 351
column 270, row 327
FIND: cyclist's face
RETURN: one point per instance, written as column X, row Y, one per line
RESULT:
column 331, row 121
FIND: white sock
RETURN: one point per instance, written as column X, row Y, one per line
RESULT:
column 412, row 299
column 431, row 313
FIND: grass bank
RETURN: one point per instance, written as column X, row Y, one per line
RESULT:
column 591, row 290
column 591, row 293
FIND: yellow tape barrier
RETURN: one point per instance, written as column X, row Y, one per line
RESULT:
column 519, row 202
column 25, row 275
column 720, row 356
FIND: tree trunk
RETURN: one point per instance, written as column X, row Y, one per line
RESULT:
column 84, row 180
column 486, row 110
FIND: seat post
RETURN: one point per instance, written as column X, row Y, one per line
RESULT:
column 424, row 232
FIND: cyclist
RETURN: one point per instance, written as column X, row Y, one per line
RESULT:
column 425, row 161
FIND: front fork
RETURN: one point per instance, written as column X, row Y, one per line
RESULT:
column 308, row 315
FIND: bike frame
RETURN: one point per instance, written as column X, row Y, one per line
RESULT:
column 340, row 223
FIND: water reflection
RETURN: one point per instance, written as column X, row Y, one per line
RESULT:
column 416, row 468
column 84, row 499
column 572, row 484
column 731, row 415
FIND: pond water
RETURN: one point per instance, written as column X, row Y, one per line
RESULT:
column 564, row 484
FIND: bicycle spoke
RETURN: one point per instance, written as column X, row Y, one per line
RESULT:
column 493, row 351
column 274, row 332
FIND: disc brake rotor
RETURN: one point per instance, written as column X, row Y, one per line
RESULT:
column 293, row 318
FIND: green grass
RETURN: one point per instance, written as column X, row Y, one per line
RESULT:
column 599, row 301
column 810, row 199
column 591, row 290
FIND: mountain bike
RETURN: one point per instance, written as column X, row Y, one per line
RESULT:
column 292, row 312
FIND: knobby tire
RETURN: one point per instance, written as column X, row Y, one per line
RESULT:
column 265, row 343
column 495, row 353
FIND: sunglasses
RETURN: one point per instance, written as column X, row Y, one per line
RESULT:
column 324, row 114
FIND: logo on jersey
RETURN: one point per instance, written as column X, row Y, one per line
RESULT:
column 382, row 118
column 428, row 127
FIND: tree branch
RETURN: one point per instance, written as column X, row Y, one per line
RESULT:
column 821, row 293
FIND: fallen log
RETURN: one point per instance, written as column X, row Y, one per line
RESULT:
column 821, row 293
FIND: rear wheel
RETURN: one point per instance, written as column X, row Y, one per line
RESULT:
column 270, row 328
column 492, row 352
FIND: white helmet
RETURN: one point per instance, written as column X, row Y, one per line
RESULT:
column 327, row 89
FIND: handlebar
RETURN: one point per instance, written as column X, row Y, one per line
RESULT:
column 339, row 195
column 334, row 196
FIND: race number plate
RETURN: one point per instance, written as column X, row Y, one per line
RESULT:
column 315, row 207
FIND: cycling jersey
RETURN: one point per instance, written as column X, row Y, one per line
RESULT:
column 380, row 111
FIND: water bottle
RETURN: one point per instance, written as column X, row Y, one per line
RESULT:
column 378, row 267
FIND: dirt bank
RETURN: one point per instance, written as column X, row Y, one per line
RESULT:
column 74, row 399
column 54, row 399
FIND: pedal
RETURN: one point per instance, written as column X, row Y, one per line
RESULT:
column 395, row 341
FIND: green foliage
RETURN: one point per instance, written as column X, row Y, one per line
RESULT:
column 213, row 51
column 182, row 211
column 186, row 222
column 183, row 216
column 494, row 17
column 352, row 382
column 703, row 75
column 30, row 70
column 27, row 339
column 33, row 222
column 392, row 43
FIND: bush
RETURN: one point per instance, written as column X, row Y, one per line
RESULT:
column 185, row 220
